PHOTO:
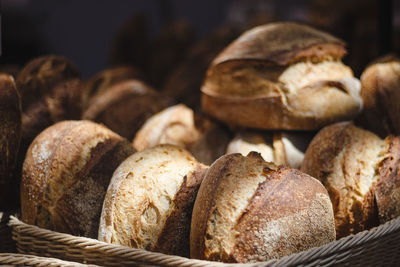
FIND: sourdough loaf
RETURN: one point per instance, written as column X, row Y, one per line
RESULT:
column 125, row 107
column 150, row 199
column 66, row 173
column 381, row 95
column 249, row 210
column 179, row 125
column 281, row 76
column 361, row 173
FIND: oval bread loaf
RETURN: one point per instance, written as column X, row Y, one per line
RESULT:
column 150, row 199
column 361, row 173
column 66, row 173
column 281, row 76
column 249, row 210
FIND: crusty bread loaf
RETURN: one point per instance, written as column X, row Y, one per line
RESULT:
column 50, row 92
column 178, row 125
column 125, row 106
column 360, row 172
column 10, row 136
column 250, row 210
column 281, row 76
column 66, row 173
column 150, row 199
column 281, row 148
column 105, row 79
column 380, row 91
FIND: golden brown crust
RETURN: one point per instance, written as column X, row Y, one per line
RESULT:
column 66, row 173
column 175, row 237
column 281, row 76
column 149, row 200
column 344, row 158
column 260, row 223
column 282, row 44
column 179, row 125
column 10, row 135
column 387, row 188
column 380, row 83
column 125, row 106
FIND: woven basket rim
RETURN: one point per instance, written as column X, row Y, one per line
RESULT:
column 32, row 260
column 157, row 258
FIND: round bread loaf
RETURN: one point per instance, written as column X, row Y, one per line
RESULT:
column 10, row 136
column 249, row 210
column 105, row 79
column 381, row 95
column 178, row 125
column 361, row 173
column 150, row 199
column 66, row 173
column 281, row 76
column 125, row 107
column 281, row 148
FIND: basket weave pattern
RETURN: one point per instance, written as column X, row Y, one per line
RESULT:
column 29, row 260
column 378, row 246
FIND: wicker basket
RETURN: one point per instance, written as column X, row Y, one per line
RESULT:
column 29, row 260
column 376, row 247
column 7, row 244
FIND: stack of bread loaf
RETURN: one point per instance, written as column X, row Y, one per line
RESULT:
column 247, row 180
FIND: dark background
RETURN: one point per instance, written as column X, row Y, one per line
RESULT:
column 84, row 31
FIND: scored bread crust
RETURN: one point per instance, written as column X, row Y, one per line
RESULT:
column 346, row 160
column 150, row 198
column 125, row 106
column 381, row 95
column 66, row 173
column 251, row 210
column 179, row 125
column 387, row 189
column 10, row 134
column 244, row 85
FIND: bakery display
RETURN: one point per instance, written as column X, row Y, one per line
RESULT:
column 66, row 173
column 360, row 172
column 250, row 210
column 10, row 137
column 125, row 106
column 150, row 198
column 281, row 76
column 281, row 148
column 179, row 125
column 193, row 148
column 380, row 91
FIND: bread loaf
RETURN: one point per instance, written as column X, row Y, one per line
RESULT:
column 381, row 95
column 10, row 137
column 150, row 199
column 360, row 172
column 281, row 148
column 281, row 76
column 105, row 79
column 178, row 125
column 66, row 173
column 50, row 92
column 125, row 107
column 249, row 210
